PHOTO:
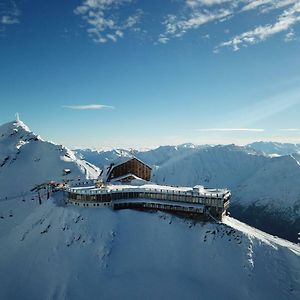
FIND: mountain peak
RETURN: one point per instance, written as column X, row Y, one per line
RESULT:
column 14, row 131
column 18, row 123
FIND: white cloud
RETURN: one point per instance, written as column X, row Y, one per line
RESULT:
column 8, row 20
column 192, row 14
column 9, row 14
column 289, row 129
column 197, row 3
column 109, row 20
column 285, row 21
column 255, row 4
column 88, row 107
column 290, row 36
column 162, row 39
column 177, row 26
column 267, row 5
column 195, row 13
column 103, row 19
column 232, row 129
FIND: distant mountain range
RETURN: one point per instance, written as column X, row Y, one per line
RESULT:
column 273, row 149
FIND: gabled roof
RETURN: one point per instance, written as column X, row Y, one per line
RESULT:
column 123, row 159
column 125, row 176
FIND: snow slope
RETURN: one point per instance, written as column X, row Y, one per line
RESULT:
column 26, row 160
column 101, row 158
column 274, row 148
column 276, row 184
column 265, row 191
column 66, row 252
column 219, row 166
column 253, row 178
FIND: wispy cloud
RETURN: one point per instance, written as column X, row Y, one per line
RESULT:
column 176, row 26
column 284, row 22
column 290, row 36
column 193, row 14
column 110, row 20
column 88, row 107
column 9, row 20
column 267, row 5
column 232, row 129
column 289, row 129
column 104, row 20
column 197, row 3
column 9, row 14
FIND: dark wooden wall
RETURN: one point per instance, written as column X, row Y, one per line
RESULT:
column 132, row 166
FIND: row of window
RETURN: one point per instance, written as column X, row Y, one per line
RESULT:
column 159, row 196
column 92, row 204
column 158, row 206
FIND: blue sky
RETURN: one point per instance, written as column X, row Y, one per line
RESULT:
column 133, row 73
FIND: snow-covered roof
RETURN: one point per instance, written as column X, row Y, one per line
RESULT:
column 148, row 187
column 125, row 176
column 121, row 160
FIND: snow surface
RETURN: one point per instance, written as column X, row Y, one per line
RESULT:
column 275, row 149
column 26, row 160
column 51, row 251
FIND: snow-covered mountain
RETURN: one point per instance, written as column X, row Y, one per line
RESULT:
column 51, row 251
column 252, row 177
column 26, row 160
column 154, row 157
column 275, row 149
column 266, row 190
column 101, row 158
column 58, row 251
column 223, row 166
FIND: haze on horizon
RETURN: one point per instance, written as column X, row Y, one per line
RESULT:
column 115, row 73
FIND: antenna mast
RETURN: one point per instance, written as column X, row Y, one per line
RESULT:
column 132, row 152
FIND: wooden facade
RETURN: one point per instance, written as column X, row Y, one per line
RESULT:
column 130, row 167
